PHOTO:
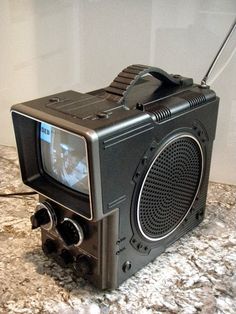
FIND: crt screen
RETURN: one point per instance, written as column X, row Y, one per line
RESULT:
column 64, row 157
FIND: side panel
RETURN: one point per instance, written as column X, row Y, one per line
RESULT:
column 120, row 152
column 121, row 170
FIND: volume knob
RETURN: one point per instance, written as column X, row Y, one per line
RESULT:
column 71, row 232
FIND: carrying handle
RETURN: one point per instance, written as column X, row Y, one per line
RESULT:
column 121, row 87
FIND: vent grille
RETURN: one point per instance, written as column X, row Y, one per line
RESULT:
column 161, row 113
column 169, row 187
column 194, row 99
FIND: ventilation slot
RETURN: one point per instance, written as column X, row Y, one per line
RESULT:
column 161, row 113
column 194, row 99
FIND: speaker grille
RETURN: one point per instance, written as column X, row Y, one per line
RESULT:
column 169, row 187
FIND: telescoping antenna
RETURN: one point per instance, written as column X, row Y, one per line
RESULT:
column 227, row 38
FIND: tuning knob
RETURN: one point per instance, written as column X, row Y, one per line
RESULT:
column 65, row 258
column 44, row 216
column 49, row 246
column 83, row 265
column 71, row 232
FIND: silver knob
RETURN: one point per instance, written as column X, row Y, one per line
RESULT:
column 70, row 232
column 44, row 216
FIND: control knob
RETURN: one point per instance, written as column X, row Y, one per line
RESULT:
column 44, row 216
column 70, row 232
column 83, row 265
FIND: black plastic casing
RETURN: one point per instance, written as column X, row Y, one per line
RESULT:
column 122, row 140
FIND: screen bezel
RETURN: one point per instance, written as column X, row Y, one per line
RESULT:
column 26, row 129
column 54, row 182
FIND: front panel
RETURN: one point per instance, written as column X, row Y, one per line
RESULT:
column 88, row 248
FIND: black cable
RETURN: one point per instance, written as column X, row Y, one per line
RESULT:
column 17, row 194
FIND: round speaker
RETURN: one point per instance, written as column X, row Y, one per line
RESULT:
column 170, row 186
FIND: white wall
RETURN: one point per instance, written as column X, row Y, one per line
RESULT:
column 39, row 53
column 49, row 46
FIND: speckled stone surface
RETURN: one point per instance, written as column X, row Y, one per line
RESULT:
column 196, row 275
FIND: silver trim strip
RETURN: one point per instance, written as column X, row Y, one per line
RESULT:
column 141, row 189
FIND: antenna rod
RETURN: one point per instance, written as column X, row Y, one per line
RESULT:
column 204, row 80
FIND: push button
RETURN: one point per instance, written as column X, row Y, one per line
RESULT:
column 54, row 99
column 103, row 115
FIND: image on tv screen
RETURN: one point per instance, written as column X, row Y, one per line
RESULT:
column 64, row 157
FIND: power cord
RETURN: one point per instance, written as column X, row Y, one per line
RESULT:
column 17, row 194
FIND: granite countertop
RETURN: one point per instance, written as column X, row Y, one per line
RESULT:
column 195, row 275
